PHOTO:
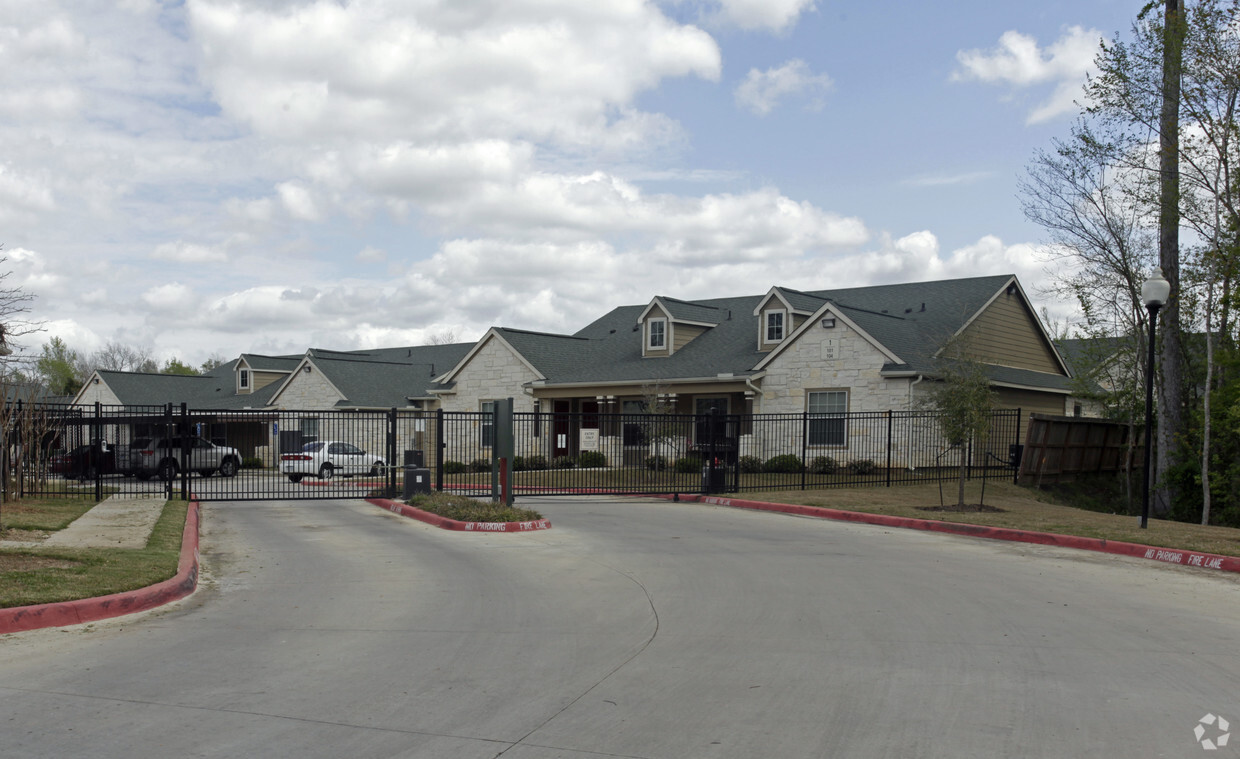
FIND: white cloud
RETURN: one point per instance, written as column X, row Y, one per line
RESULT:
column 553, row 71
column 298, row 201
column 762, row 90
column 188, row 253
column 371, row 254
column 171, row 299
column 1019, row 62
column 771, row 15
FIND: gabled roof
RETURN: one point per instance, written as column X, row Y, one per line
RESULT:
column 213, row 390
column 794, row 300
column 686, row 312
column 261, row 363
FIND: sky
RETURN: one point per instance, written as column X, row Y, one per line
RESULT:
column 214, row 177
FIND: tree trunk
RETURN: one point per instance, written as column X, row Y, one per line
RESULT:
column 1170, row 408
column 964, row 471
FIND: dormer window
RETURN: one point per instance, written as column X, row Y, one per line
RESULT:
column 656, row 334
column 774, row 326
column 243, row 379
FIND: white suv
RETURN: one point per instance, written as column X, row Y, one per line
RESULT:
column 161, row 456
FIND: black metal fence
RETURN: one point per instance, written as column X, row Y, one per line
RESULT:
column 285, row 454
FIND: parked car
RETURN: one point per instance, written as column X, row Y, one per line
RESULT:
column 161, row 456
column 327, row 458
column 85, row 461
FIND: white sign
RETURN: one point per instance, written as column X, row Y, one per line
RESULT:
column 589, row 440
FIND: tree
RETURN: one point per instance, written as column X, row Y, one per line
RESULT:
column 58, row 368
column 214, row 361
column 964, row 402
column 14, row 304
column 174, row 366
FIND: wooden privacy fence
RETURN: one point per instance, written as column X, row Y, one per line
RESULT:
column 1061, row 448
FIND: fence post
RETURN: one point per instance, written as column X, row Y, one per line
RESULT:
column 1016, row 469
column 389, row 474
column 92, row 458
column 440, row 444
column 804, row 446
column 186, row 442
column 889, row 415
column 504, row 449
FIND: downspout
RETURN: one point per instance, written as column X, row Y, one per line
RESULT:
column 908, row 444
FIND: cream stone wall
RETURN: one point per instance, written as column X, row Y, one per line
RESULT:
column 830, row 359
column 493, row 373
column 308, row 390
column 838, row 358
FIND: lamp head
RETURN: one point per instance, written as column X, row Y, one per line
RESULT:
column 1155, row 290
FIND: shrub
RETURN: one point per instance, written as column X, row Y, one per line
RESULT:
column 453, row 467
column 592, row 459
column 252, row 462
column 688, row 465
column 862, row 466
column 823, row 465
column 535, row 463
column 563, row 462
column 479, row 465
column 783, row 464
column 656, row 463
column 518, row 464
column 749, row 464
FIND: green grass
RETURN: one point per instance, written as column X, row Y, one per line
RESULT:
column 36, row 575
column 1019, row 508
column 42, row 514
column 465, row 509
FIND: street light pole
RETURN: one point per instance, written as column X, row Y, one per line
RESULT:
column 1154, row 294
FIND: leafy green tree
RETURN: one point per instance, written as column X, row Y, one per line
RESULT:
column 58, row 368
column 174, row 366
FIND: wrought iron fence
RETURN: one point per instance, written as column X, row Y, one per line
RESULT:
column 286, row 454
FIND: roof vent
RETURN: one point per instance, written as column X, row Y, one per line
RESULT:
column 828, row 323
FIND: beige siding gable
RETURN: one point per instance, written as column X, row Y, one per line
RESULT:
column 1006, row 333
column 774, row 306
column 655, row 314
column 684, row 334
column 259, row 380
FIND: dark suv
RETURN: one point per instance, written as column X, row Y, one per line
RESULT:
column 161, row 456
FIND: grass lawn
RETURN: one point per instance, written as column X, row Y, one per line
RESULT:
column 1015, row 507
column 49, row 575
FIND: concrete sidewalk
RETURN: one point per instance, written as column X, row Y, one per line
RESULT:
column 120, row 521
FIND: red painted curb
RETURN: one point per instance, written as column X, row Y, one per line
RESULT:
column 396, row 507
column 180, row 585
column 1154, row 553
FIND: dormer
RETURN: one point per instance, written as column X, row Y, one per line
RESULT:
column 254, row 372
column 668, row 325
column 781, row 312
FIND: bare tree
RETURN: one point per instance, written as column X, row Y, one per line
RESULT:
column 444, row 337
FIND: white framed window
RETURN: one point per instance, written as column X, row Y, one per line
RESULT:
column 656, row 334
column 774, row 326
column 828, row 417
column 244, row 379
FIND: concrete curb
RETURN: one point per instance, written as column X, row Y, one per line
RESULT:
column 1153, row 553
column 183, row 583
column 405, row 510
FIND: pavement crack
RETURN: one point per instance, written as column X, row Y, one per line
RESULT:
column 653, row 634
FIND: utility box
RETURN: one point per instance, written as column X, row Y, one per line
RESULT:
column 417, row 481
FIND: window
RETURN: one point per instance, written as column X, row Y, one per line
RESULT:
column 827, row 420
column 488, row 423
column 774, row 326
column 309, row 428
column 656, row 334
column 245, row 379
